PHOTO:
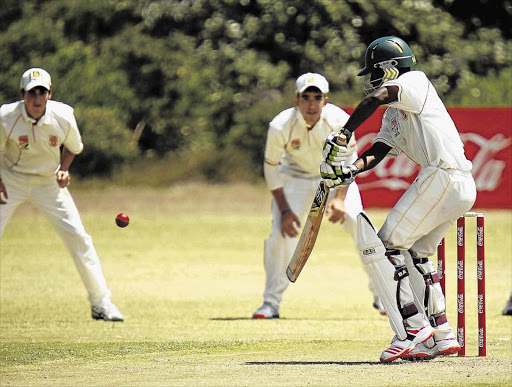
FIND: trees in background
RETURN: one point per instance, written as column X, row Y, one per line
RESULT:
column 196, row 81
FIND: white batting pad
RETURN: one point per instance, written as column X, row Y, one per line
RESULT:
column 381, row 270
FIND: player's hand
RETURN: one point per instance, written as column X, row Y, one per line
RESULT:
column 335, row 177
column 329, row 175
column 335, row 211
column 335, row 150
column 3, row 193
column 63, row 178
column 290, row 224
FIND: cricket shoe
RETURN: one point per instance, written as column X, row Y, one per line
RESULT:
column 266, row 311
column 444, row 347
column 399, row 348
column 107, row 312
column 377, row 304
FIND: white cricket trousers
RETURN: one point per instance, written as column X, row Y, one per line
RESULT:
column 426, row 211
column 416, row 225
column 58, row 206
column 278, row 250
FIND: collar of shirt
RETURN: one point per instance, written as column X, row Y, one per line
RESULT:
column 45, row 119
column 303, row 122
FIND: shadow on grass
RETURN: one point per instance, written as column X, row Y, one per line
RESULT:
column 277, row 319
column 229, row 318
column 347, row 363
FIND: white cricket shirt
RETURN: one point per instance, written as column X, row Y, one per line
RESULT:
column 33, row 147
column 295, row 148
column 419, row 125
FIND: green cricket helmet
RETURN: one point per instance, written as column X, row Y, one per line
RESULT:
column 384, row 56
column 387, row 51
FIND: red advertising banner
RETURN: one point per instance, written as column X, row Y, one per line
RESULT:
column 487, row 137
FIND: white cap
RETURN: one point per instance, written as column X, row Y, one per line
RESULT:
column 35, row 77
column 311, row 80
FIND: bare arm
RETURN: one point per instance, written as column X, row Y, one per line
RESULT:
column 372, row 156
column 369, row 104
column 63, row 176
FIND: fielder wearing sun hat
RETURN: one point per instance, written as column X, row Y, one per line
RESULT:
column 311, row 80
column 35, row 77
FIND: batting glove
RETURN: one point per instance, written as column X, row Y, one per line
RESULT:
column 335, row 148
column 335, row 177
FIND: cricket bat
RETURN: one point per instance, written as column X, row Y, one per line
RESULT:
column 309, row 233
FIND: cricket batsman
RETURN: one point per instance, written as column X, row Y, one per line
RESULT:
column 417, row 123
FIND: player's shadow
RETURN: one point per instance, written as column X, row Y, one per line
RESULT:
column 229, row 318
column 341, row 363
column 278, row 319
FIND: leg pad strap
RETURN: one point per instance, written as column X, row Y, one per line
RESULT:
column 438, row 319
column 400, row 273
column 409, row 310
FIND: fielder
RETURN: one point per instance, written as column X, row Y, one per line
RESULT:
column 32, row 169
column 417, row 123
column 292, row 155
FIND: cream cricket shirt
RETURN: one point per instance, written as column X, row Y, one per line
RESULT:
column 297, row 150
column 419, row 125
column 33, row 148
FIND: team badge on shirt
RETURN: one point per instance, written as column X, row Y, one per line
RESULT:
column 295, row 143
column 54, row 140
column 23, row 142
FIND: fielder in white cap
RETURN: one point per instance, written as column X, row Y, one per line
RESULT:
column 33, row 169
column 293, row 154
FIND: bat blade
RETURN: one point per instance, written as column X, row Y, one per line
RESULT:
column 309, row 233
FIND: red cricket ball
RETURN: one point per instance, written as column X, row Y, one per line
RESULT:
column 122, row 220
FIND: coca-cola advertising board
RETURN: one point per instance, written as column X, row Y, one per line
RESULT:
column 487, row 137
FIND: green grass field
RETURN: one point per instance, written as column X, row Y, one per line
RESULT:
column 188, row 273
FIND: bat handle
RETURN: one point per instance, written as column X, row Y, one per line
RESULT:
column 341, row 139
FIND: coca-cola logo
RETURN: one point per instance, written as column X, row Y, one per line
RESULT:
column 480, row 304
column 460, row 303
column 460, row 270
column 396, row 173
column 460, row 236
column 480, row 270
column 480, row 236
column 460, row 336
column 487, row 171
column 481, row 337
column 487, row 137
